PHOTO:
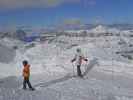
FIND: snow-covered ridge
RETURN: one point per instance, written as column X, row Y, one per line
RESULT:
column 104, row 29
column 97, row 29
column 101, row 30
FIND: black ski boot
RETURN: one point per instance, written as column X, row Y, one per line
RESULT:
column 32, row 89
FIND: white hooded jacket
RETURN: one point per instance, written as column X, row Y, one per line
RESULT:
column 78, row 58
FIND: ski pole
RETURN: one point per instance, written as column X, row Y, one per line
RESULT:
column 85, row 68
column 86, row 64
column 73, row 70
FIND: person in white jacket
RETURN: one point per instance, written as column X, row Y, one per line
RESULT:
column 79, row 57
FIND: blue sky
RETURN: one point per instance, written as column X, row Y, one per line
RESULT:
column 54, row 12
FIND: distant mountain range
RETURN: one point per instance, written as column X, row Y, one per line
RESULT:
column 30, row 29
column 28, row 33
column 90, row 26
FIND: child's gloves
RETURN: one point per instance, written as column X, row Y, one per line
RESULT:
column 72, row 60
column 86, row 59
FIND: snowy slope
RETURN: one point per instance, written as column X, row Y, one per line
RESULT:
column 108, row 78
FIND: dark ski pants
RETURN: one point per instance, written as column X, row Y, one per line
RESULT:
column 79, row 70
column 26, row 82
